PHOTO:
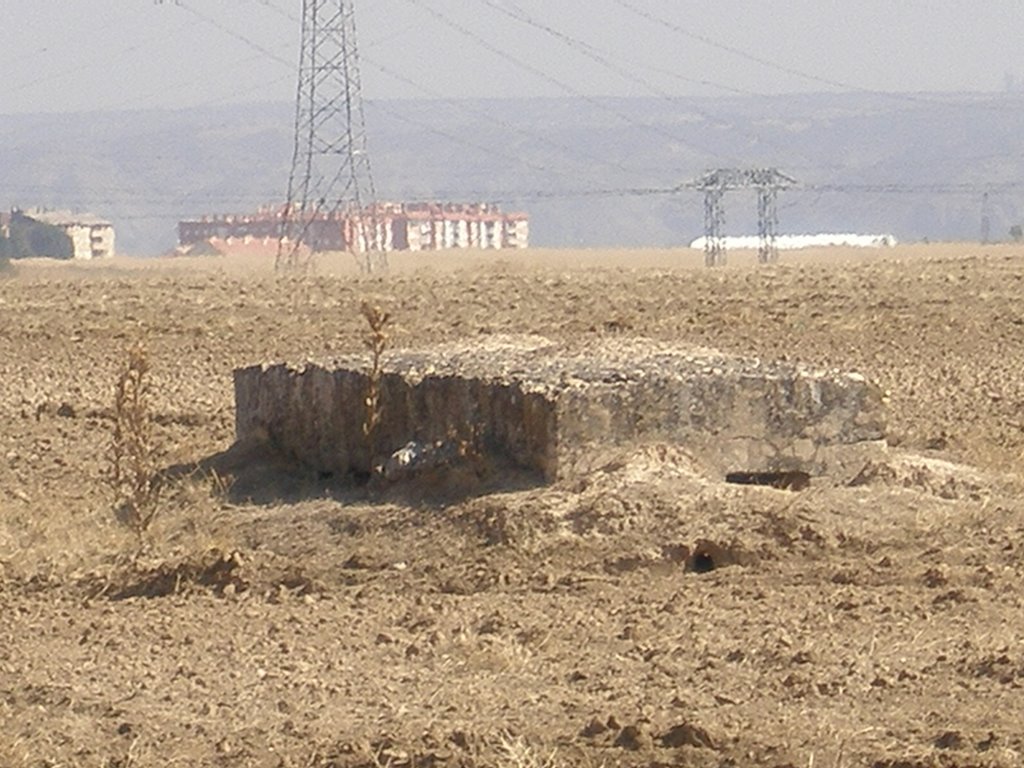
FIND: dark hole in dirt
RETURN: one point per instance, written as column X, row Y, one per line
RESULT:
column 325, row 475
column 708, row 556
column 703, row 562
column 783, row 481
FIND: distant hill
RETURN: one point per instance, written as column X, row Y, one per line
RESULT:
column 588, row 171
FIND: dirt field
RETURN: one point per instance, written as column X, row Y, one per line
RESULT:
column 279, row 621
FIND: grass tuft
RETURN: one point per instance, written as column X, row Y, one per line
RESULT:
column 517, row 752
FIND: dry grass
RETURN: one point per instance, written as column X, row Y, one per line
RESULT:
column 517, row 752
column 376, row 341
column 134, row 476
column 14, row 752
column 196, row 515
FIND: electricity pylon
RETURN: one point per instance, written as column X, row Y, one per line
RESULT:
column 331, row 198
column 714, row 184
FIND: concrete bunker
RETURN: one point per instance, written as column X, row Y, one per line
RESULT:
column 559, row 411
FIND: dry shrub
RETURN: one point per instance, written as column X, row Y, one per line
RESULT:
column 376, row 341
column 134, row 477
column 517, row 752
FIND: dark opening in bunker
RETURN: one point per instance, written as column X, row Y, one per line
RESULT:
column 702, row 562
column 783, row 481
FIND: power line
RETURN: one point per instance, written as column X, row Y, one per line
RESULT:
column 235, row 34
column 403, row 118
column 628, row 5
column 899, row 188
column 23, row 57
column 184, row 85
column 279, row 11
column 390, row 72
column 363, row 44
column 107, row 56
column 817, row 190
column 460, row 140
column 538, row 72
column 789, row 70
column 579, row 45
column 513, row 197
column 486, row 115
column 103, row 58
column 547, row 194
column 597, row 56
column 91, row 23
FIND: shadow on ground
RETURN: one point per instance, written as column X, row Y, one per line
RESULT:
column 255, row 473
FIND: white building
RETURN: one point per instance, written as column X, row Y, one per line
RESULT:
column 796, row 242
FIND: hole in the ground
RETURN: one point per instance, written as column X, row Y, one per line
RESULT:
column 703, row 562
column 708, row 556
column 784, row 481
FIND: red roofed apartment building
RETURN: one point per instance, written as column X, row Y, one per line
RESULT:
column 400, row 227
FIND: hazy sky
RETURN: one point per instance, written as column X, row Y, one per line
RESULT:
column 71, row 55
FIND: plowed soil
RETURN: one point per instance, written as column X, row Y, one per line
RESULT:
column 276, row 618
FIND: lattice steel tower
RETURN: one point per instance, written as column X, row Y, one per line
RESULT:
column 714, row 184
column 331, row 198
column 986, row 219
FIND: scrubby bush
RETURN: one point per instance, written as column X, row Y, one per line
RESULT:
column 29, row 238
column 134, row 476
column 47, row 240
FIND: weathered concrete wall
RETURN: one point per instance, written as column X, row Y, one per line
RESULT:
column 558, row 411
column 316, row 416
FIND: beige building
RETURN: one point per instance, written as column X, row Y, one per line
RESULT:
column 91, row 237
column 400, row 227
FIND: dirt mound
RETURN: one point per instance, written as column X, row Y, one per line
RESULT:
column 926, row 474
